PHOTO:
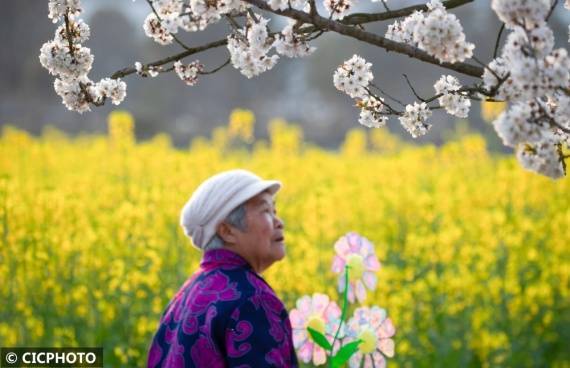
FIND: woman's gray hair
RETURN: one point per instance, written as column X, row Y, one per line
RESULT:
column 237, row 219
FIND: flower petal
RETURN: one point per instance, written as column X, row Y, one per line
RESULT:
column 341, row 247
column 360, row 291
column 305, row 352
column 371, row 262
column 386, row 329
column 366, row 247
column 379, row 360
column 368, row 361
column 370, row 280
column 341, row 282
column 338, row 264
column 299, row 338
column 304, row 305
column 377, row 317
column 332, row 312
column 320, row 302
column 297, row 319
column 386, row 346
column 354, row 241
column 319, row 355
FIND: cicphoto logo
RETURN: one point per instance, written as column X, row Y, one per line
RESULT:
column 51, row 357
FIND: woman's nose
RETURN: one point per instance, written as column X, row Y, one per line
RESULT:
column 280, row 224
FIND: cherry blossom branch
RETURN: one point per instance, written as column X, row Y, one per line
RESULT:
column 387, row 95
column 82, row 85
column 361, row 18
column 412, row 88
column 391, row 110
column 184, row 46
column 554, row 3
column 190, row 51
column 550, row 118
column 371, row 38
column 313, row 8
column 216, row 69
column 498, row 41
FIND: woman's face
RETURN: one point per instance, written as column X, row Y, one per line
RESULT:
column 262, row 242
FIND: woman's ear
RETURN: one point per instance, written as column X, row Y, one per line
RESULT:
column 227, row 233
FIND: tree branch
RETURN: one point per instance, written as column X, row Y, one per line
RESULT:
column 498, row 41
column 551, row 9
column 412, row 88
column 190, row 51
column 387, row 95
column 182, row 44
column 218, row 68
column 371, row 38
column 82, row 85
column 361, row 18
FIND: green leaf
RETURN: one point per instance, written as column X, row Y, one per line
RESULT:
column 345, row 353
column 320, row 339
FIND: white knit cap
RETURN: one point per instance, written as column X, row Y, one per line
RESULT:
column 215, row 198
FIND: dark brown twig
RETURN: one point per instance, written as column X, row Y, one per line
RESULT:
column 361, row 18
column 190, row 51
column 216, row 69
column 498, row 41
column 412, row 88
column 387, row 95
column 551, row 9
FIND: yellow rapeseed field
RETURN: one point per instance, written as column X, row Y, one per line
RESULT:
column 475, row 251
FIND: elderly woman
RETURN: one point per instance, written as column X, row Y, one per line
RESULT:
column 226, row 315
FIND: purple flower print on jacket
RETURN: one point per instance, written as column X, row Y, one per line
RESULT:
column 225, row 315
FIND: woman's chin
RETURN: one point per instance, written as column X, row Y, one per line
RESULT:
column 279, row 250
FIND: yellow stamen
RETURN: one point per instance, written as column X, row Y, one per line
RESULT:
column 356, row 266
column 369, row 340
column 316, row 323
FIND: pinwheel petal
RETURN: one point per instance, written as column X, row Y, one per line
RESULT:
column 360, row 291
column 319, row 356
column 320, row 302
column 386, row 329
column 297, row 319
column 342, row 247
column 338, row 264
column 305, row 353
column 304, row 305
column 370, row 280
column 299, row 338
column 371, row 263
column 379, row 360
column 386, row 346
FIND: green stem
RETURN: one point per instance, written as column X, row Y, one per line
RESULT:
column 344, row 306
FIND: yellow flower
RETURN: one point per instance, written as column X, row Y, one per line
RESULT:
column 241, row 124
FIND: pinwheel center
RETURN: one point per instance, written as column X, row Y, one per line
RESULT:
column 369, row 340
column 316, row 323
column 355, row 263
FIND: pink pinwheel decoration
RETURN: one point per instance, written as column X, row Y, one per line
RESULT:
column 322, row 315
column 358, row 253
column 375, row 331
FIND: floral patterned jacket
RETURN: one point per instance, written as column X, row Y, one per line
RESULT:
column 225, row 315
